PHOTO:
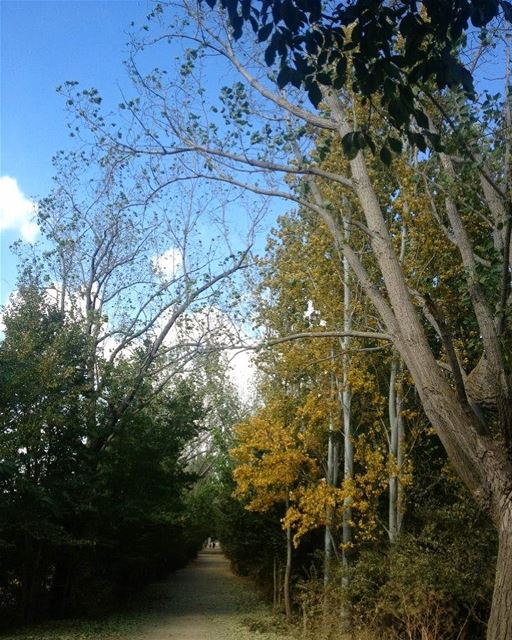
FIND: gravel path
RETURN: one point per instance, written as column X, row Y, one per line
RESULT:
column 206, row 601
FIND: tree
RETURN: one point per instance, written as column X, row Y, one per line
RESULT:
column 301, row 293
column 81, row 526
column 43, row 455
column 316, row 43
column 478, row 440
column 134, row 271
column 269, row 465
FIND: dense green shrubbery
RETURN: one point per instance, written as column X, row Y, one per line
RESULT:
column 421, row 588
column 252, row 541
column 82, row 524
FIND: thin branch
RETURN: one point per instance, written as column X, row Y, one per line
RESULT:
column 323, row 334
column 465, row 146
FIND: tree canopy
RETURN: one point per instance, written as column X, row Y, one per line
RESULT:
column 316, row 43
column 380, row 312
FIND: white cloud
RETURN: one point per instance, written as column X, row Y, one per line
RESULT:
column 168, row 263
column 16, row 210
column 243, row 375
column 209, row 327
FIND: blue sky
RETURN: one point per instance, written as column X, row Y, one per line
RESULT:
column 44, row 43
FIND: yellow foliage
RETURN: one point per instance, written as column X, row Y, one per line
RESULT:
column 269, row 460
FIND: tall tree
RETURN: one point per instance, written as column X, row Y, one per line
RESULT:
column 78, row 521
column 470, row 410
column 134, row 271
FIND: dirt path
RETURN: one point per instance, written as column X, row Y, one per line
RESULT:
column 206, row 601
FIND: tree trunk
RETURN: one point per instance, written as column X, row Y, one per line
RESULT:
column 396, row 443
column 500, row 621
column 400, row 461
column 348, row 465
column 288, row 574
column 328, row 515
column 275, row 576
column 393, row 456
column 346, row 400
column 328, row 548
column 332, row 481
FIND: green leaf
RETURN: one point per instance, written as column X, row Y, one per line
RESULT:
column 324, row 78
column 360, row 69
column 395, row 144
column 292, row 17
column 349, row 147
column 421, row 118
column 341, row 73
column 398, row 111
column 408, row 24
column 435, row 141
column 419, row 141
column 370, row 143
column 416, row 73
column 283, row 77
column 237, row 23
column 314, row 94
column 270, row 54
column 359, row 139
column 264, row 32
column 385, row 156
column 389, row 89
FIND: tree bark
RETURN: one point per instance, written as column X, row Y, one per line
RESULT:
column 348, row 465
column 330, row 478
column 393, row 456
column 288, row 574
column 500, row 621
column 346, row 398
column 400, row 505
